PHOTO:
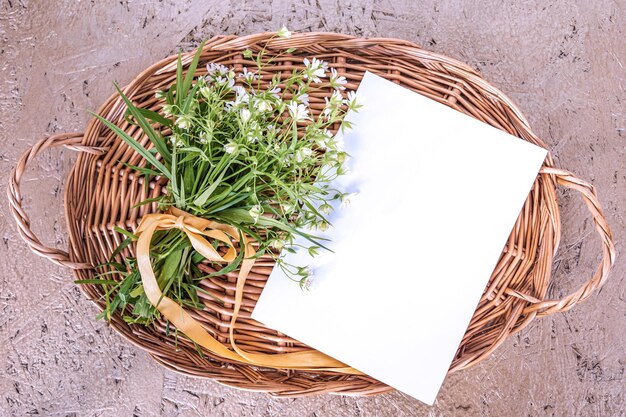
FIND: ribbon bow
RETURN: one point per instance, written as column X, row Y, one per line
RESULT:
column 197, row 230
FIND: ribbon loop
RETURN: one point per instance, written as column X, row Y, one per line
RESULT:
column 197, row 230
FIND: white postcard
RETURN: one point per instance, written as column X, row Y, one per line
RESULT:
column 436, row 195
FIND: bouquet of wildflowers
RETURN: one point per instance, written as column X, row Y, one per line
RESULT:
column 240, row 148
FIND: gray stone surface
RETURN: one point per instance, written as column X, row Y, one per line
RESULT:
column 562, row 62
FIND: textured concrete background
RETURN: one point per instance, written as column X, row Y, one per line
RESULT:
column 562, row 63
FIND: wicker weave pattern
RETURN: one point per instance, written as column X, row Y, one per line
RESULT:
column 100, row 193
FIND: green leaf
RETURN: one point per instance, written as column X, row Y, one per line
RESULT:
column 220, row 194
column 136, row 146
column 190, row 97
column 239, row 216
column 194, row 150
column 148, row 201
column 191, row 71
column 188, row 180
column 235, row 199
column 202, row 198
column 170, row 266
column 125, row 232
column 137, row 291
column 314, row 210
column 179, row 81
column 193, row 295
column 196, row 257
column 121, row 247
column 228, row 268
column 143, row 170
column 155, row 117
column 146, row 127
column 96, row 281
column 174, row 179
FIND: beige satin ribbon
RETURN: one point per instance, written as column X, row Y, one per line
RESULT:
column 197, row 229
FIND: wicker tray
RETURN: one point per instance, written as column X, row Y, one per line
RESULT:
column 100, row 193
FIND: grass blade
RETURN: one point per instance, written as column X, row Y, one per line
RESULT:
column 156, row 139
column 202, row 198
column 180, row 96
column 191, row 71
column 136, row 146
column 155, row 117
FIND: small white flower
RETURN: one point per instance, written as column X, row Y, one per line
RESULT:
column 322, row 142
column 204, row 138
column 303, row 153
column 206, row 91
column 245, row 115
column 274, row 92
column 306, row 273
column 315, row 69
column 216, row 70
column 332, row 103
column 308, row 283
column 263, row 105
column 277, row 244
column 298, row 112
column 287, row 208
column 308, row 278
column 249, row 76
column 325, row 208
column 336, row 80
column 336, row 98
column 256, row 212
column 283, row 33
column 160, row 95
column 231, row 147
column 323, row 138
column 168, row 109
column 303, row 98
column 241, row 96
column 353, row 100
column 177, row 141
column 286, row 159
column 327, row 109
column 346, row 199
column 183, row 122
column 252, row 136
column 323, row 226
column 225, row 81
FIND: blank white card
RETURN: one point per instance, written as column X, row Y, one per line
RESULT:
column 436, row 195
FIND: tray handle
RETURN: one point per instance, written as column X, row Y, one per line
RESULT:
column 588, row 193
column 67, row 140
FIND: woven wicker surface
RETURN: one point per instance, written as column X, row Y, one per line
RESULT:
column 100, row 193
